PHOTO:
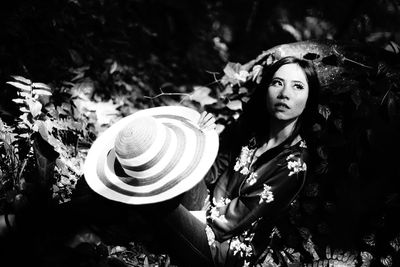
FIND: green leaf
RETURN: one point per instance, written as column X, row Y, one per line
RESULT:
column 25, row 94
column 24, row 110
column 25, row 120
column 62, row 111
column 234, row 105
column 18, row 100
column 296, row 34
column 235, row 73
column 9, row 138
column 243, row 90
column 146, row 262
column 227, row 91
column 61, row 165
column 24, row 135
column 270, row 59
column 42, row 86
column 113, row 67
column 22, row 79
column 41, row 89
column 41, row 92
column 201, row 95
column 21, row 86
column 51, row 110
column 393, row 47
column 256, row 73
column 42, row 129
column 324, row 111
column 35, row 107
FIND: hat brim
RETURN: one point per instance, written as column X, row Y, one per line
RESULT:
column 104, row 175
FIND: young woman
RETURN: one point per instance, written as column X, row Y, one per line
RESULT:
column 262, row 163
column 259, row 170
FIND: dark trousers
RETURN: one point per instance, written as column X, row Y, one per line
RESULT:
column 168, row 225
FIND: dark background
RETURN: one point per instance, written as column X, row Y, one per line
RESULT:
column 175, row 41
column 132, row 49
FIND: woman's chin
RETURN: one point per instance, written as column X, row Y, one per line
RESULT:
column 282, row 117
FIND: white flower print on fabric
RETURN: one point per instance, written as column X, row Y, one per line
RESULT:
column 210, row 236
column 266, row 195
column 253, row 224
column 252, row 179
column 269, row 260
column 223, row 201
column 294, row 165
column 245, row 171
column 214, row 213
column 241, row 246
column 275, row 232
column 214, row 210
column 243, row 249
column 244, row 160
column 303, row 144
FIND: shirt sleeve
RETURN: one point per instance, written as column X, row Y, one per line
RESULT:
column 224, row 156
column 266, row 199
column 219, row 166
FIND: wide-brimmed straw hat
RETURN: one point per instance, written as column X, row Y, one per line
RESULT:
column 151, row 156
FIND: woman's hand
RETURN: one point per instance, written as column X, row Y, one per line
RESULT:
column 200, row 215
column 207, row 121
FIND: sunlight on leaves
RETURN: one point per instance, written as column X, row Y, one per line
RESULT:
column 21, row 86
column 235, row 74
column 22, row 79
column 35, row 107
column 234, row 105
column 201, row 94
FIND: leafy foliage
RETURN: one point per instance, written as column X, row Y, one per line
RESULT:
column 101, row 60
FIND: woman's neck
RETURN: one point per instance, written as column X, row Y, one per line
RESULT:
column 279, row 131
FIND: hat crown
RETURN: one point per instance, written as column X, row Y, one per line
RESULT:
column 136, row 137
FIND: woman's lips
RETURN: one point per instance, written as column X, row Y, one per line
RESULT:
column 281, row 105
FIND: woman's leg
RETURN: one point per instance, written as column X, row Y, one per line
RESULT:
column 195, row 198
column 185, row 239
column 181, row 233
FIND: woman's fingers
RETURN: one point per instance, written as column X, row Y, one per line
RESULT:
column 207, row 121
column 202, row 115
column 208, row 116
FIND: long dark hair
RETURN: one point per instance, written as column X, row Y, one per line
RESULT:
column 254, row 120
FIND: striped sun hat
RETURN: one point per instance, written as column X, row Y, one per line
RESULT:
column 151, row 156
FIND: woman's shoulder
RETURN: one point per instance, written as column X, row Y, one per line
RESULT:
column 294, row 154
column 298, row 147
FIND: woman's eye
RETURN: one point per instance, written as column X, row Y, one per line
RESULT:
column 298, row 86
column 276, row 83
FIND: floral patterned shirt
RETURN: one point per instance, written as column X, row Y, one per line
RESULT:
column 247, row 195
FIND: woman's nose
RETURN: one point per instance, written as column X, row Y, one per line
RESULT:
column 284, row 92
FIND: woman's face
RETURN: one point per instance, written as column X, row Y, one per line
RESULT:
column 287, row 93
